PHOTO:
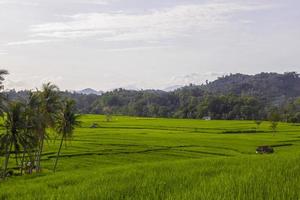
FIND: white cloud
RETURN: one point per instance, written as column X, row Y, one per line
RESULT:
column 3, row 52
column 15, row 84
column 99, row 2
column 29, row 42
column 140, row 48
column 20, row 3
column 155, row 25
column 31, row 82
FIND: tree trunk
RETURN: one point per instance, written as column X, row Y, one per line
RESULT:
column 6, row 160
column 39, row 154
column 58, row 153
column 16, row 156
column 22, row 161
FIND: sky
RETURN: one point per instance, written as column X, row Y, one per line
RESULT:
column 107, row 44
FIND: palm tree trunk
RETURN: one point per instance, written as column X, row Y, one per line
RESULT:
column 36, row 156
column 39, row 154
column 6, row 160
column 4, row 163
column 16, row 156
column 22, row 161
column 58, row 153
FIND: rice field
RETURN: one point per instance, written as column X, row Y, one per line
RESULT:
column 149, row 158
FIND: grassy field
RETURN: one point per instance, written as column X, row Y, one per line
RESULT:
column 145, row 158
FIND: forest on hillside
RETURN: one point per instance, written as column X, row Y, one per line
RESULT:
column 235, row 96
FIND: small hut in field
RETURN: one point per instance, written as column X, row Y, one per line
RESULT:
column 207, row 118
column 264, row 150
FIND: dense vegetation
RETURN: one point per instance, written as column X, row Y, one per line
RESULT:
column 235, row 96
column 147, row 158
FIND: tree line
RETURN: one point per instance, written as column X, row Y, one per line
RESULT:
column 235, row 96
column 28, row 123
column 182, row 105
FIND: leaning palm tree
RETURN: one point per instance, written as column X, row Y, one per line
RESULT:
column 66, row 122
column 50, row 104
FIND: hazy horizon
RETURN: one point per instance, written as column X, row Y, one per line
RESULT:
column 186, row 81
column 106, row 44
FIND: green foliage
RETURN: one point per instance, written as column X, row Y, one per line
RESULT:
column 274, row 118
column 273, row 126
column 66, row 122
column 274, row 115
column 108, row 113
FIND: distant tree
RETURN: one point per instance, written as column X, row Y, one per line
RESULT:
column 258, row 123
column 67, row 120
column 108, row 113
column 274, row 118
column 295, row 118
column 292, row 111
column 273, row 126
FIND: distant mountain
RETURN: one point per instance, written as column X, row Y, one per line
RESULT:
column 172, row 88
column 273, row 87
column 89, row 91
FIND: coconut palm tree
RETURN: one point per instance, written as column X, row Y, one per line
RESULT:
column 66, row 122
column 33, row 128
column 50, row 104
column 15, row 136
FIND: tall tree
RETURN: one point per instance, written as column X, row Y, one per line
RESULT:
column 34, row 127
column 50, row 104
column 15, row 136
column 66, row 122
